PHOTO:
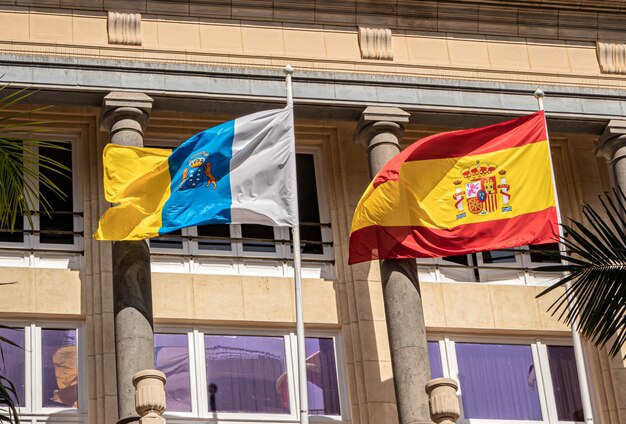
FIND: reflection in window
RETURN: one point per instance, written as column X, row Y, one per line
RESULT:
column 308, row 207
column 216, row 237
column 58, row 226
column 321, row 373
column 498, row 381
column 59, row 370
column 499, row 256
column 536, row 254
column 565, row 383
column 243, row 374
column 263, row 234
column 171, row 240
column 171, row 356
column 12, row 363
column 434, row 356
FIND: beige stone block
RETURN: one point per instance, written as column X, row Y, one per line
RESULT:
column 89, row 30
column 302, row 43
column 432, row 301
column 374, row 341
column 468, row 52
column 221, row 38
column 15, row 25
column 515, row 307
column 369, row 300
column 263, row 41
column 218, row 297
column 319, row 301
column 110, row 378
column 180, row 35
column 583, row 60
column 508, row 55
column 149, row 34
column 428, row 50
column 369, row 271
column 58, row 291
column 342, row 45
column 382, row 412
column 549, row 321
column 51, row 28
column 379, row 381
column 172, row 296
column 467, row 306
column 400, row 49
column 268, row 299
column 548, row 57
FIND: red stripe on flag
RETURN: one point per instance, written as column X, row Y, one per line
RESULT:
column 455, row 144
column 377, row 242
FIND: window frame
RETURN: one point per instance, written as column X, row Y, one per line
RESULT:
column 198, row 383
column 33, row 370
column 31, row 251
column 545, row 390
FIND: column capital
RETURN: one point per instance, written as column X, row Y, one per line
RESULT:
column 377, row 119
column 125, row 116
column 612, row 140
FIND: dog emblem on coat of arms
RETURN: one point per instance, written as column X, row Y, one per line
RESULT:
column 198, row 173
column 480, row 192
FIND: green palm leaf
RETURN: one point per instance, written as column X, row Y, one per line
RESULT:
column 595, row 266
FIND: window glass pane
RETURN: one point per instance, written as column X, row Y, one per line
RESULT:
column 498, row 381
column 12, row 361
column 537, row 256
column 565, row 383
column 214, row 230
column 321, row 373
column 59, row 370
column 262, row 236
column 308, row 207
column 17, row 236
column 461, row 260
column 244, row 374
column 57, row 227
column 499, row 256
column 171, row 240
column 171, row 355
column 434, row 355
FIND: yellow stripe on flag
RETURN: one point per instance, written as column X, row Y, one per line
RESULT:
column 139, row 180
column 423, row 194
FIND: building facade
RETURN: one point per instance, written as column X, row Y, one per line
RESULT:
column 223, row 297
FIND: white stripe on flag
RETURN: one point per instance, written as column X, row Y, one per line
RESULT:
column 262, row 172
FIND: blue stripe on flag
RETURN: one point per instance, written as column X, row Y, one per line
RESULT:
column 200, row 189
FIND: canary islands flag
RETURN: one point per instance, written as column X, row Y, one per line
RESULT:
column 242, row 171
column 460, row 192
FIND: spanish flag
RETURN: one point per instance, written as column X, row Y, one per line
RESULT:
column 460, row 192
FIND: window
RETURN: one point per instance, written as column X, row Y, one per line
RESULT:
column 255, row 249
column 53, row 240
column 516, row 381
column 44, row 368
column 515, row 265
column 246, row 376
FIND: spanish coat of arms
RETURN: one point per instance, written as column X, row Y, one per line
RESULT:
column 480, row 192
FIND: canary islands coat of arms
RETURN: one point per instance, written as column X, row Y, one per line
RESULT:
column 480, row 192
column 198, row 173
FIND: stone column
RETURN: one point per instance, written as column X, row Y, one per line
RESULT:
column 125, row 116
column 380, row 130
column 612, row 147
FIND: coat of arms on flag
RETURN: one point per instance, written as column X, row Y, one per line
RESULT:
column 483, row 192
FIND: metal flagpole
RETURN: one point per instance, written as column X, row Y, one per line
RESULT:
column 304, row 400
column 578, row 348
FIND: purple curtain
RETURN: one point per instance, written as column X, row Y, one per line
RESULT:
column 498, row 381
column 321, row 370
column 565, row 383
column 434, row 356
column 171, row 355
column 60, row 375
column 245, row 374
column 13, row 360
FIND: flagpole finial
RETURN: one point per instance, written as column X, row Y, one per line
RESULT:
column 288, row 70
column 539, row 94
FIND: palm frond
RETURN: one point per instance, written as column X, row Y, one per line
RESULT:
column 595, row 267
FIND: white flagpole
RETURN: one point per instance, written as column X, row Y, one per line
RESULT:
column 578, row 348
column 304, row 400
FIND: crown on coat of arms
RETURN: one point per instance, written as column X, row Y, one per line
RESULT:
column 479, row 170
column 198, row 160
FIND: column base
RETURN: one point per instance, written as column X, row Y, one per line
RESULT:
column 128, row 420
